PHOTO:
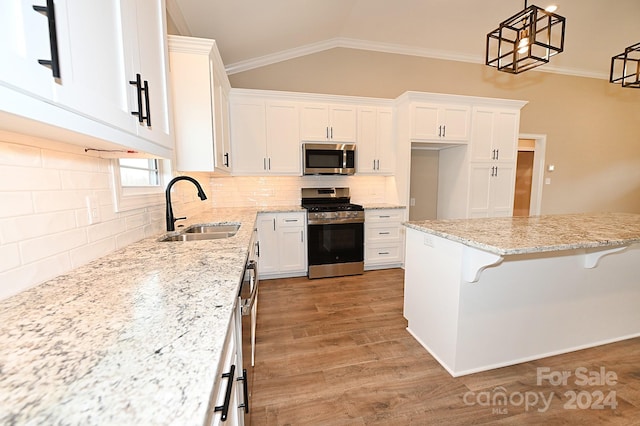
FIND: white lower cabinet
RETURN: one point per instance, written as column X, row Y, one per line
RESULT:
column 383, row 238
column 491, row 189
column 283, row 244
column 226, row 404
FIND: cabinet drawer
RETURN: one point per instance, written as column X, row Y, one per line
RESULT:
column 388, row 253
column 382, row 233
column 394, row 215
column 296, row 219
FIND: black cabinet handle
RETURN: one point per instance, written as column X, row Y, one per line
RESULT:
column 54, row 63
column 138, row 83
column 227, row 396
column 146, row 102
column 226, row 159
column 444, row 131
column 245, row 390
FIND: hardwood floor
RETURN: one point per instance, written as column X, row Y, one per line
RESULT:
column 336, row 352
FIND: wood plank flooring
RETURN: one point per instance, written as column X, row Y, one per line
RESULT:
column 336, row 351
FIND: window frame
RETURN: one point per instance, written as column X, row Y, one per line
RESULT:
column 128, row 198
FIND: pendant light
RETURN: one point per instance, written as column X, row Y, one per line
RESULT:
column 526, row 40
column 625, row 67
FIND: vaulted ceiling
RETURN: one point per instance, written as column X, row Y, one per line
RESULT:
column 253, row 33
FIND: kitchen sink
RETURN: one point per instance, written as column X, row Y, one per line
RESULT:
column 230, row 229
column 204, row 232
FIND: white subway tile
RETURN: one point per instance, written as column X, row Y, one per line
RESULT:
column 68, row 161
column 103, row 230
column 15, row 204
column 129, row 237
column 85, row 254
column 16, row 280
column 50, row 201
column 28, row 179
column 10, row 257
column 51, row 245
column 19, row 155
column 32, row 226
column 84, row 180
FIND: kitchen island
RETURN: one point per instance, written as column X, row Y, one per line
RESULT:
column 135, row 337
column 487, row 293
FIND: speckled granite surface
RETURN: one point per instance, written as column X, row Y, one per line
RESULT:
column 380, row 206
column 131, row 338
column 521, row 235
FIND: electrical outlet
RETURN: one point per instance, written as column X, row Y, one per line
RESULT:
column 412, row 202
column 93, row 209
column 428, row 240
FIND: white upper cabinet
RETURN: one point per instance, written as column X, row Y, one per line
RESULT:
column 375, row 150
column 200, row 89
column 265, row 136
column 495, row 134
column 440, row 122
column 328, row 122
column 94, row 49
column 148, row 56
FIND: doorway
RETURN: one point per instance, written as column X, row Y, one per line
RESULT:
column 527, row 200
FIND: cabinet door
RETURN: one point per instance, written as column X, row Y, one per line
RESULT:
column 342, row 123
column 424, row 121
column 292, row 249
column 268, row 240
column 491, row 189
column 366, row 150
column 152, row 64
column 24, row 39
column 314, row 122
column 284, row 151
column 482, row 135
column 502, row 190
column 507, row 125
column 221, row 141
column 386, row 146
column 455, row 122
column 248, row 137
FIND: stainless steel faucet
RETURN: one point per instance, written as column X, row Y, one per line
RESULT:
column 167, row 193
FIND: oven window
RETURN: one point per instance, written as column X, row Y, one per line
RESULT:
column 338, row 243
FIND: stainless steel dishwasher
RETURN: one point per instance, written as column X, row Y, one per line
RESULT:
column 248, row 305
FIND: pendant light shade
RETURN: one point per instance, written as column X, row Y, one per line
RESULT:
column 526, row 40
column 625, row 67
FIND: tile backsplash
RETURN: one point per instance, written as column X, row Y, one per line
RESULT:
column 44, row 222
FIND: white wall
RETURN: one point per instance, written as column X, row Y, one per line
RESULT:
column 44, row 230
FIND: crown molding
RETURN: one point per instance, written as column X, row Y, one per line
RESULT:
column 350, row 43
column 175, row 13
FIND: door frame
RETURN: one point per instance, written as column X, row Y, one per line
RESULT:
column 537, row 179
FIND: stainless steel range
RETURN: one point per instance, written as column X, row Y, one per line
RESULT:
column 335, row 232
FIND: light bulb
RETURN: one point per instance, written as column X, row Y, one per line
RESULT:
column 551, row 8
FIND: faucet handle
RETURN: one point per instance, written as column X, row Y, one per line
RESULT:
column 178, row 218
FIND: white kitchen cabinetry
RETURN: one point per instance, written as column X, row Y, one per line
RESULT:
column 265, row 137
column 100, row 49
column 328, row 122
column 383, row 238
column 200, row 89
column 493, row 160
column 145, row 37
column 495, row 134
column 440, row 122
column 283, row 244
column 229, row 371
column 376, row 152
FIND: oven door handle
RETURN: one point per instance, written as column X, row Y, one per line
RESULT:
column 247, row 304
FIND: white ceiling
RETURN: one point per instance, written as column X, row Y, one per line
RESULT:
column 252, row 33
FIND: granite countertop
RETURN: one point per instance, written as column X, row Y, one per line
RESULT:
column 521, row 235
column 134, row 337
column 380, row 206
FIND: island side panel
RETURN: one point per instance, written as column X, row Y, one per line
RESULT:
column 432, row 293
column 533, row 306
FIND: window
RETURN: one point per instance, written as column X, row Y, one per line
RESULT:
column 139, row 182
column 139, row 172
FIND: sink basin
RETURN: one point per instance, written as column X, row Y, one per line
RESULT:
column 204, row 232
column 213, row 229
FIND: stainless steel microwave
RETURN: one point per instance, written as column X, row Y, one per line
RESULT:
column 329, row 159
